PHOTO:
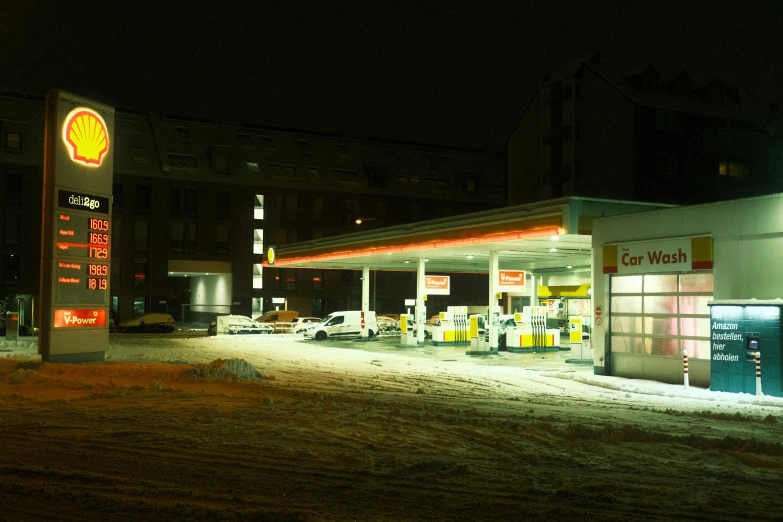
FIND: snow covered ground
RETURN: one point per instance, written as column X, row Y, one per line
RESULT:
column 372, row 431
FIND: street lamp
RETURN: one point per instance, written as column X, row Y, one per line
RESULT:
column 359, row 221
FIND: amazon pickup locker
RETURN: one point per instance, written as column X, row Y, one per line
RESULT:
column 656, row 273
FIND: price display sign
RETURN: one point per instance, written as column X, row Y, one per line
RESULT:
column 76, row 262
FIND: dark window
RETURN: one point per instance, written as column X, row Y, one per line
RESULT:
column 290, row 280
column 13, row 141
column 577, row 130
column 191, row 202
column 318, row 281
column 11, row 269
column 666, row 164
column 665, row 120
column 547, row 138
column 417, row 213
column 13, row 229
column 342, row 150
column 546, row 178
column 140, row 273
column 567, row 173
column 546, row 96
column 350, row 212
column 183, row 135
column 13, row 189
column 138, row 155
column 577, row 90
column 266, row 142
column 177, row 244
column 567, row 91
column 222, row 244
column 649, row 83
column 244, row 139
column 117, row 197
column 223, row 204
column 568, row 131
column 142, row 235
column 142, row 199
column 683, row 90
column 715, row 97
column 191, row 237
column 176, row 202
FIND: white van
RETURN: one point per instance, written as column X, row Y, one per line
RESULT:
column 343, row 325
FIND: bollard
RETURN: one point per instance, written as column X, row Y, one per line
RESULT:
column 685, row 366
column 758, row 374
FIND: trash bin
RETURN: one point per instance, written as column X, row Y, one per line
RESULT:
column 11, row 326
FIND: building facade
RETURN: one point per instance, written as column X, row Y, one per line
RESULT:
column 195, row 204
column 594, row 132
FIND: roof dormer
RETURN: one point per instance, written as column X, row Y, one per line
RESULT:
column 713, row 92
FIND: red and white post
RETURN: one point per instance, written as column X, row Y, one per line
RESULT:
column 685, row 366
column 758, row 374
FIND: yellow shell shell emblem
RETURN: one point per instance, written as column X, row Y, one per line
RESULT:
column 270, row 255
column 86, row 136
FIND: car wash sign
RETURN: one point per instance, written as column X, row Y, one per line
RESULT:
column 77, row 228
column 511, row 280
column 669, row 255
column 437, row 285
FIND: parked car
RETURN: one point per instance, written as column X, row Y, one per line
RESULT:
column 278, row 319
column 148, row 323
column 300, row 323
column 343, row 325
column 244, row 325
column 387, row 324
column 237, row 324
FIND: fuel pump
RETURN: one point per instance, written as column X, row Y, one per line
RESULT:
column 408, row 332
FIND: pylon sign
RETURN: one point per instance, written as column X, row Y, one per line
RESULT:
column 76, row 229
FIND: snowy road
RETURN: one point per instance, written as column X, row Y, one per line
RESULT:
column 373, row 432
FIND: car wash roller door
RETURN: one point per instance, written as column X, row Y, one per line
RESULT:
column 654, row 317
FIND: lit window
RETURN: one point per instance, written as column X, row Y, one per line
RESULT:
column 738, row 170
column 252, row 166
column 258, row 276
column 258, row 210
column 13, row 141
column 258, row 241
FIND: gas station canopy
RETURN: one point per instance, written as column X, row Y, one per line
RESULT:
column 548, row 236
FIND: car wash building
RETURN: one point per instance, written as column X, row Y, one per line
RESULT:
column 658, row 277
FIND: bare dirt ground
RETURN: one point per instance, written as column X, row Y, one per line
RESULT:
column 333, row 433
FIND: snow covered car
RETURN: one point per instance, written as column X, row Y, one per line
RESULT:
column 245, row 325
column 387, row 324
column 298, row 324
column 148, row 323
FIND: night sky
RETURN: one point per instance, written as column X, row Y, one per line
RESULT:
column 452, row 73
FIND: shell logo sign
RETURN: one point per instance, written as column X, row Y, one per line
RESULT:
column 86, row 137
